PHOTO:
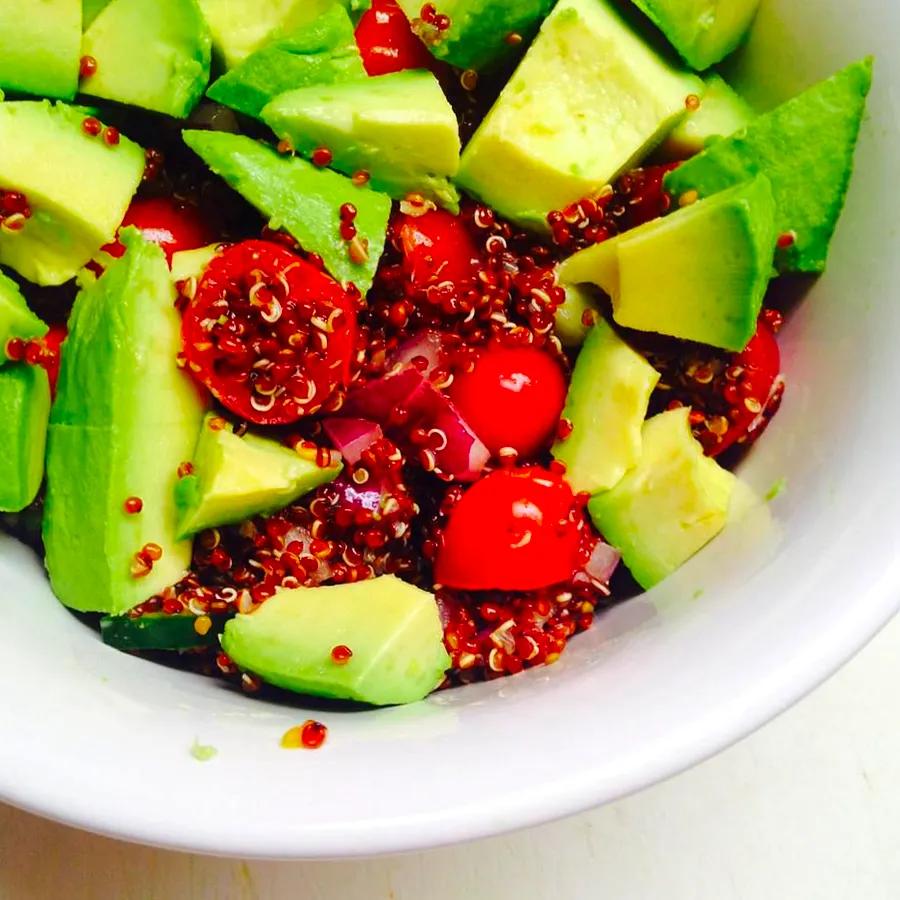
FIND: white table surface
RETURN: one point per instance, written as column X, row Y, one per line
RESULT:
column 809, row 807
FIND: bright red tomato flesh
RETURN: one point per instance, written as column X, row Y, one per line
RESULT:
column 513, row 397
column 387, row 43
column 514, row 530
column 51, row 358
column 270, row 335
column 163, row 221
column 436, row 247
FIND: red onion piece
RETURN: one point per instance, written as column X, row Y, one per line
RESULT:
column 425, row 345
column 602, row 563
column 351, row 436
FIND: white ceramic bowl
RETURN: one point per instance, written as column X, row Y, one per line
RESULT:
column 101, row 740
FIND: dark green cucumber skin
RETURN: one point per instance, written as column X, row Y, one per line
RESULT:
column 158, row 631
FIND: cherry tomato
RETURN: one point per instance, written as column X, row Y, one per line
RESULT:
column 436, row 248
column 269, row 334
column 514, row 530
column 50, row 360
column 513, row 397
column 175, row 227
column 387, row 43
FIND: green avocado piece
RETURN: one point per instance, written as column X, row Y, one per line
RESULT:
column 238, row 477
column 479, row 32
column 192, row 263
column 722, row 112
column 704, row 32
column 40, row 47
column 669, row 506
column 16, row 319
column 301, row 198
column 399, row 128
column 125, row 418
column 77, row 186
column 606, row 405
column 321, row 51
column 699, row 274
column 154, row 54
column 90, row 9
column 550, row 141
column 241, row 27
column 159, row 631
column 392, row 628
column 24, row 411
column 805, row 147
column 570, row 322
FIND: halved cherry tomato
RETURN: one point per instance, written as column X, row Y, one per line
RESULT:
column 174, row 226
column 437, row 247
column 514, row 530
column 513, row 397
column 269, row 334
column 387, row 43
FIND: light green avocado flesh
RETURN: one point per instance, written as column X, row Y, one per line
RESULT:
column 322, row 51
column 77, row 187
column 192, row 263
column 16, row 319
column 235, row 478
column 40, row 47
column 479, row 32
column 154, row 54
column 722, row 112
column 399, row 128
column 24, row 411
column 574, row 318
column 392, row 629
column 303, row 199
column 550, row 141
column 606, row 405
column 125, row 418
column 699, row 274
column 805, row 147
column 704, row 32
column 669, row 506
column 241, row 27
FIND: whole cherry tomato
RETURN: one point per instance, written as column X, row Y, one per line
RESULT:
column 514, row 530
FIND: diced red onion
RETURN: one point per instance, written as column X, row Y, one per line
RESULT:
column 351, row 436
column 602, row 563
column 425, row 345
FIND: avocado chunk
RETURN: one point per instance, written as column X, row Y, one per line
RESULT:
column 721, row 112
column 573, row 320
column 40, row 47
column 588, row 101
column 805, row 147
column 154, row 54
column 24, row 411
column 606, row 406
column 235, row 478
column 392, row 629
column 669, row 506
column 77, row 187
column 125, row 418
column 90, row 9
column 304, row 199
column 399, row 128
column 480, row 30
column 17, row 321
column 699, row 274
column 321, row 51
column 704, row 32
column 192, row 263
column 241, row 27
column 160, row 631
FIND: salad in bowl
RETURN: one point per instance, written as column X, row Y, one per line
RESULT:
column 365, row 350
